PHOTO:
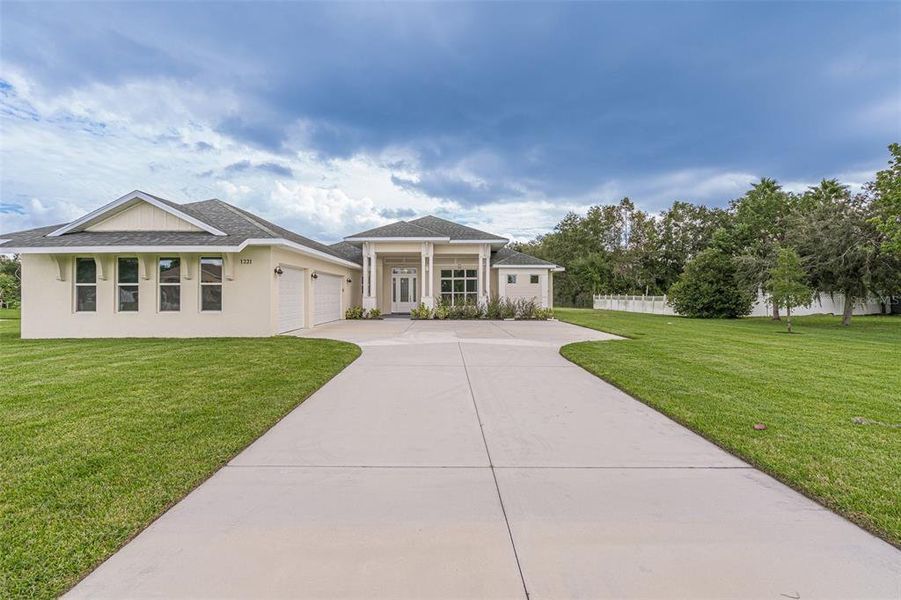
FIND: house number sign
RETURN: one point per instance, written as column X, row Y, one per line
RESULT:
column 246, row 261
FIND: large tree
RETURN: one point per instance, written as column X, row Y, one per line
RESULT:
column 10, row 281
column 842, row 248
column 762, row 218
column 885, row 192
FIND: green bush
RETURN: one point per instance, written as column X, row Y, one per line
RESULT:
column 710, row 287
column 524, row 309
column 421, row 312
column 354, row 313
column 442, row 311
column 373, row 313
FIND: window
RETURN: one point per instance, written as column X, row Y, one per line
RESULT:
column 533, row 278
column 85, row 285
column 511, row 279
column 211, row 284
column 459, row 286
column 127, row 284
column 170, row 284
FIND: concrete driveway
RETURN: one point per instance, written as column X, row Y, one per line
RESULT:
column 469, row 460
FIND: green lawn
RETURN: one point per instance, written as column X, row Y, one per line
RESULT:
column 98, row 437
column 720, row 377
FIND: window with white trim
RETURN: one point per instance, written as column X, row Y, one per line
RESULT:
column 211, row 283
column 511, row 279
column 127, row 284
column 459, row 286
column 533, row 278
column 170, row 284
column 85, row 285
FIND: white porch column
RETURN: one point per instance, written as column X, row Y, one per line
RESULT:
column 484, row 254
column 428, row 274
column 368, row 276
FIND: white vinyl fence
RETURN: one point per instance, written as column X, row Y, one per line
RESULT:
column 659, row 305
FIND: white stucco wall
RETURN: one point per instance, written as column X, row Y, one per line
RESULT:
column 541, row 292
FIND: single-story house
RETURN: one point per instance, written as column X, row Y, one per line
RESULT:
column 143, row 266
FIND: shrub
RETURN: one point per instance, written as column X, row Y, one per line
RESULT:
column 543, row 314
column 441, row 311
column 373, row 313
column 709, row 287
column 421, row 312
column 524, row 309
column 354, row 313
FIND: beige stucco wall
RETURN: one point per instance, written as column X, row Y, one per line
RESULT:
column 249, row 301
column 48, row 305
column 350, row 292
column 143, row 217
column 540, row 291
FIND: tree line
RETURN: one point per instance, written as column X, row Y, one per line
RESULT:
column 712, row 261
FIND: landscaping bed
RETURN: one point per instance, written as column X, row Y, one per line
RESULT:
column 101, row 436
column 827, row 396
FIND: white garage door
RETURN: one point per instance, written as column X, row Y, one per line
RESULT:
column 326, row 298
column 290, row 299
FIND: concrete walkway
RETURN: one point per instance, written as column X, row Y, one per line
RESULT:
column 469, row 460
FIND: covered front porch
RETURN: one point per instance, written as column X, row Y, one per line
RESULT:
column 399, row 277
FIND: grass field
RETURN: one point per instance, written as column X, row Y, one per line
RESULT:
column 720, row 377
column 101, row 436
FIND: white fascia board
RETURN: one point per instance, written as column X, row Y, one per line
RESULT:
column 397, row 239
column 182, row 249
column 503, row 266
column 135, row 195
column 479, row 241
column 122, row 249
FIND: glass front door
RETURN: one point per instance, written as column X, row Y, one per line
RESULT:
column 404, row 292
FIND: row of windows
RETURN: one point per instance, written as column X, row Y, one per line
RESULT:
column 169, row 286
column 512, row 279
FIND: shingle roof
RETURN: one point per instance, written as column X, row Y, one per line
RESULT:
column 506, row 256
column 428, row 226
column 349, row 251
column 454, row 231
column 238, row 225
column 398, row 229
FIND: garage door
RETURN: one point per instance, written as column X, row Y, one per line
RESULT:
column 327, row 298
column 290, row 299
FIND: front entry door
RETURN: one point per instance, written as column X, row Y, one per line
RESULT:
column 404, row 289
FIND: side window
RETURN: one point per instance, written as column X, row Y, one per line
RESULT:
column 533, row 278
column 85, row 285
column 511, row 279
column 127, row 284
column 211, row 283
column 170, row 284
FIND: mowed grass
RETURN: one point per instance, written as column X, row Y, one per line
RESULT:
column 98, row 437
column 720, row 377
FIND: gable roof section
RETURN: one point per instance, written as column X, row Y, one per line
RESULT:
column 428, row 228
column 129, row 200
column 505, row 257
column 456, row 231
column 398, row 230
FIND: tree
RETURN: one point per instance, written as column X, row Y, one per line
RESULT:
column 841, row 247
column 787, row 283
column 710, row 286
column 10, row 281
column 762, row 218
column 886, row 195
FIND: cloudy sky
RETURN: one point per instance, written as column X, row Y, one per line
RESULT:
column 332, row 118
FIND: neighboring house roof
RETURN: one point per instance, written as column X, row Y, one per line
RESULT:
column 239, row 228
column 505, row 257
column 427, row 228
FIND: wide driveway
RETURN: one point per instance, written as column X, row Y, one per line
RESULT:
column 470, row 460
